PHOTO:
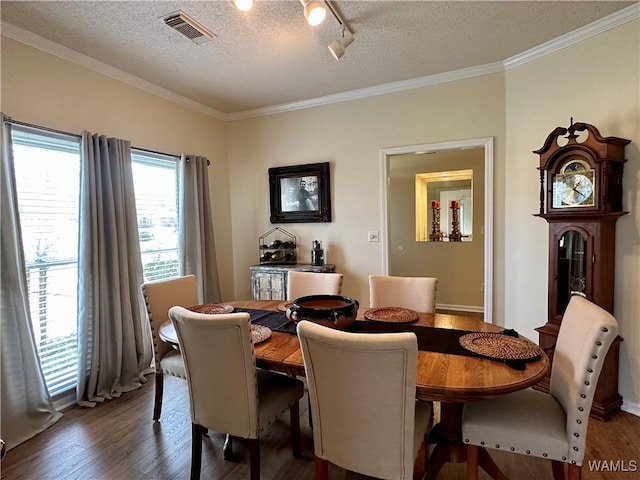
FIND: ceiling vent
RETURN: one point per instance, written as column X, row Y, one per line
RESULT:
column 188, row 27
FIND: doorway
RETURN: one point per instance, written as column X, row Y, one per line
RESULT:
column 402, row 254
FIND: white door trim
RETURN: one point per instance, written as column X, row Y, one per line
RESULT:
column 487, row 144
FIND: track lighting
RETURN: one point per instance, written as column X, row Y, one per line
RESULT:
column 338, row 47
column 314, row 12
column 243, row 5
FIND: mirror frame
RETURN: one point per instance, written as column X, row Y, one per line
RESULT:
column 487, row 144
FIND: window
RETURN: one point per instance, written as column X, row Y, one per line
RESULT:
column 155, row 178
column 47, row 167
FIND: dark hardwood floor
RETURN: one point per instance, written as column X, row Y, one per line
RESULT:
column 118, row 440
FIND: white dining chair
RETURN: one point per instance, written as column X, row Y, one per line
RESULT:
column 554, row 425
column 227, row 393
column 363, row 401
column 159, row 296
column 415, row 293
column 301, row 284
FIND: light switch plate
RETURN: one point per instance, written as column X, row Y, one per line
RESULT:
column 373, row 236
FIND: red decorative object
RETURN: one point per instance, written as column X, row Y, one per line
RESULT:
column 455, row 235
column 436, row 235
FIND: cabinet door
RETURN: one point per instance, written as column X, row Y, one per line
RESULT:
column 572, row 268
column 269, row 286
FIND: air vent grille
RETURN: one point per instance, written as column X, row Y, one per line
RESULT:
column 188, row 27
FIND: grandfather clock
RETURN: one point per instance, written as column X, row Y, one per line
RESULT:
column 581, row 199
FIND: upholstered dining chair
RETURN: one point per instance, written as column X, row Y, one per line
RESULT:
column 301, row 284
column 415, row 293
column 363, row 401
column 159, row 297
column 554, row 425
column 227, row 393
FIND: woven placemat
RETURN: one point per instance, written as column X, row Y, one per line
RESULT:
column 212, row 308
column 284, row 306
column 391, row 315
column 499, row 346
column 260, row 333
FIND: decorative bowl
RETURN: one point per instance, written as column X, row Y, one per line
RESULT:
column 334, row 311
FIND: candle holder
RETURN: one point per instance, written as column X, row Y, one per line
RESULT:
column 436, row 235
column 455, row 235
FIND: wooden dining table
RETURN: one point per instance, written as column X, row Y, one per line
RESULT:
column 450, row 379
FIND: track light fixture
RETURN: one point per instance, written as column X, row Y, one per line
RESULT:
column 338, row 47
column 243, row 5
column 314, row 12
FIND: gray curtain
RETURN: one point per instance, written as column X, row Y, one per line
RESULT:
column 114, row 343
column 26, row 405
column 197, row 247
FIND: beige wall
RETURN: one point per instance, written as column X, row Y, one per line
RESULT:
column 596, row 81
column 351, row 136
column 459, row 266
column 44, row 90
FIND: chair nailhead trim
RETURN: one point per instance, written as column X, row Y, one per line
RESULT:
column 582, row 395
column 564, row 458
column 590, row 370
column 481, row 443
column 528, row 452
column 594, row 356
column 598, row 343
column 497, row 446
column 578, row 421
column 605, row 329
column 512, row 449
column 575, row 449
column 586, row 382
column 576, row 435
column 581, row 409
column 573, row 462
column 466, row 440
column 544, row 455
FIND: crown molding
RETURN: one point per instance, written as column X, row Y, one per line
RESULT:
column 36, row 41
column 609, row 22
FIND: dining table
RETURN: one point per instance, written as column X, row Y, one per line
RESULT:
column 449, row 378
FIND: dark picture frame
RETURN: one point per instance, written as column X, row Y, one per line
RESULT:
column 300, row 193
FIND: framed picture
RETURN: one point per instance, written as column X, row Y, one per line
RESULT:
column 300, row 193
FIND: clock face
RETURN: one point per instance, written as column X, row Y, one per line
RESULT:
column 574, row 185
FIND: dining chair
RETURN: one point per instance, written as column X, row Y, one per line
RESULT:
column 301, row 284
column 553, row 425
column 363, row 401
column 227, row 393
column 159, row 296
column 415, row 293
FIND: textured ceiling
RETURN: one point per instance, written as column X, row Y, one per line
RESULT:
column 271, row 56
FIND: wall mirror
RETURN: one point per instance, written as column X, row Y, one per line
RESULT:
column 435, row 193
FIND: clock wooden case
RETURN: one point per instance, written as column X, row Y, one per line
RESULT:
column 581, row 199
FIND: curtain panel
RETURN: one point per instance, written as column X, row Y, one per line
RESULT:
column 197, row 246
column 113, row 336
column 27, row 408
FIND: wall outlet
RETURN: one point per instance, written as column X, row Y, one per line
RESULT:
column 373, row 236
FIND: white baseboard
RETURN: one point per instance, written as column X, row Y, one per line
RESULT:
column 461, row 308
column 632, row 408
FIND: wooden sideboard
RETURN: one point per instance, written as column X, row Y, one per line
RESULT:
column 269, row 282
